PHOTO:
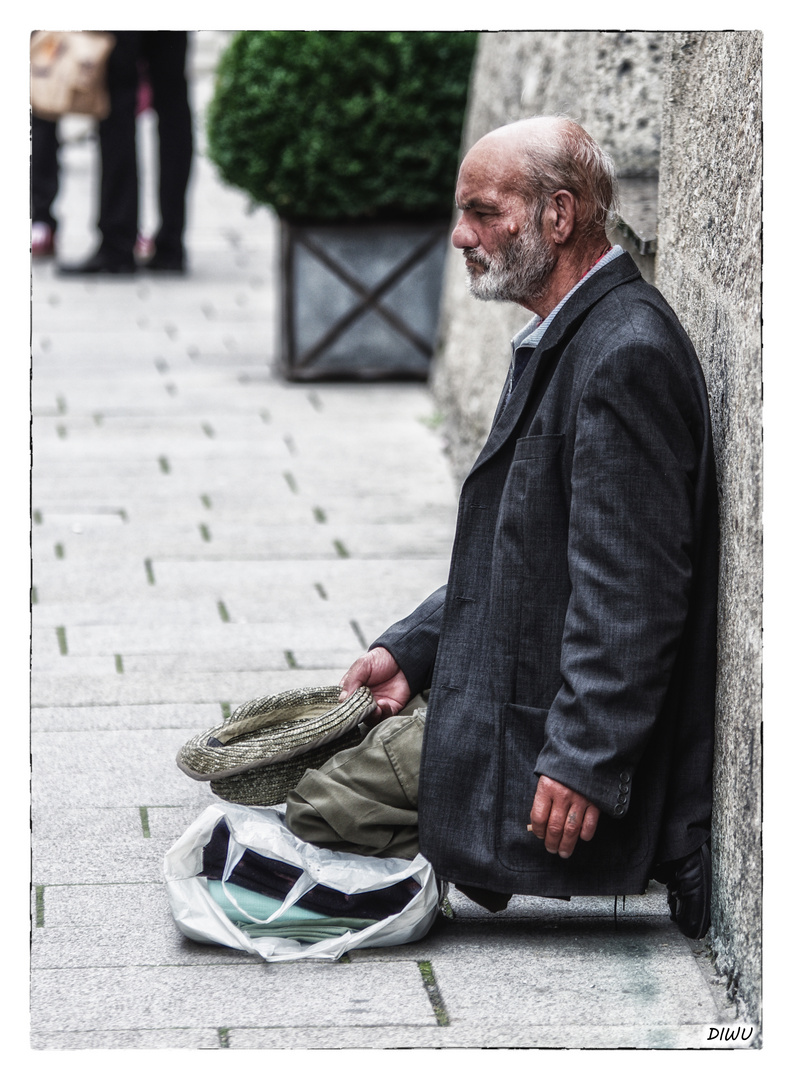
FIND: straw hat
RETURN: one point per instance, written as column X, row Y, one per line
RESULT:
column 267, row 744
column 269, row 785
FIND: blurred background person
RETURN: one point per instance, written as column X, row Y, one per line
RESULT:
column 43, row 186
column 161, row 54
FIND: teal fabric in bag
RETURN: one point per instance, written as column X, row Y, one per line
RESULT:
column 249, row 910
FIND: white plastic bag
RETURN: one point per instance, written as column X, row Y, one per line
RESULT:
column 262, row 830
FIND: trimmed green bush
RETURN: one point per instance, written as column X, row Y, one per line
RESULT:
column 334, row 125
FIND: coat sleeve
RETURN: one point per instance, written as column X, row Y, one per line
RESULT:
column 638, row 435
column 413, row 642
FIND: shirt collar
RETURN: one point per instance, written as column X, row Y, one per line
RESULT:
column 531, row 334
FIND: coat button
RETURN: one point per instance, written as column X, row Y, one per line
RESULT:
column 625, row 777
column 622, row 799
column 624, row 788
column 619, row 809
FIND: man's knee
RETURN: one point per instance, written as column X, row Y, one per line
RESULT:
column 304, row 821
column 364, row 798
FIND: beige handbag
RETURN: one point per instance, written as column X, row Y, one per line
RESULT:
column 68, row 73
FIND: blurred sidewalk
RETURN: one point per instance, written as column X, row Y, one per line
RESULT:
column 204, row 533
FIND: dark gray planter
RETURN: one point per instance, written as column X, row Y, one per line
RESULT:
column 360, row 300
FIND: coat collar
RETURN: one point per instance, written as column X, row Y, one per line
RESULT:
column 617, row 272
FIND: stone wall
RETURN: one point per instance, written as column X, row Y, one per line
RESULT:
column 708, row 267
column 611, row 82
column 684, row 107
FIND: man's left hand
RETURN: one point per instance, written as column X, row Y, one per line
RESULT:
column 560, row 816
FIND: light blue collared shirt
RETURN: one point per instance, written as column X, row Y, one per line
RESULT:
column 531, row 334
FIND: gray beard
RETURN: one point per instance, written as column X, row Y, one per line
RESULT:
column 517, row 273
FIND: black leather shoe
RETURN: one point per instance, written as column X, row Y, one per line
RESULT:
column 100, row 263
column 688, row 885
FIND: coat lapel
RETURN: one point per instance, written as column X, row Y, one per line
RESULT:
column 533, row 383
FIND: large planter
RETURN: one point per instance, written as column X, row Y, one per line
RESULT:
column 361, row 299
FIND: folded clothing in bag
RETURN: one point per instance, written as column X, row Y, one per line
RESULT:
column 273, row 878
column 248, row 910
column 339, row 897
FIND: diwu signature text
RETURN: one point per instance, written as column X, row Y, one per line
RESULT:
column 725, row 1034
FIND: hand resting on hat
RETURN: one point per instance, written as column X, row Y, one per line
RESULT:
column 379, row 671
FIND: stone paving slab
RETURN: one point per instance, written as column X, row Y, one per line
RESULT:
column 108, row 768
column 142, row 352
column 150, row 309
column 230, row 686
column 155, row 941
column 215, row 634
column 111, row 579
column 124, row 717
column 275, row 470
column 46, row 660
column 519, row 977
column 88, row 492
column 214, row 391
column 287, row 656
column 106, row 907
column 164, row 665
column 127, row 434
column 160, row 670
column 275, row 996
column 82, row 475
column 405, row 581
column 143, row 613
column 138, row 1039
column 66, row 442
column 225, row 539
column 93, row 846
column 85, row 510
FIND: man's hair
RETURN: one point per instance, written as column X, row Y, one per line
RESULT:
column 570, row 158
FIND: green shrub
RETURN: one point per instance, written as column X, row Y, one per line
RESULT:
column 331, row 125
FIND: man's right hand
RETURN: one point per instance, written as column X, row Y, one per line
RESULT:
column 379, row 671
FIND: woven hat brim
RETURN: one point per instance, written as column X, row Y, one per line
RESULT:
column 272, row 729
column 269, row 785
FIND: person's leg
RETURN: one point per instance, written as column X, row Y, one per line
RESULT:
column 118, row 185
column 166, row 53
column 118, row 201
column 43, row 170
column 43, row 185
column 365, row 799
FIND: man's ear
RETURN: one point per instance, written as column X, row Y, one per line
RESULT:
column 561, row 215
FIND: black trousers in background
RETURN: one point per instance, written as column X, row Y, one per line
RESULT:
column 164, row 53
column 43, row 170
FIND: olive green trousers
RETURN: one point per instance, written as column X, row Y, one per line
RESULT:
column 365, row 799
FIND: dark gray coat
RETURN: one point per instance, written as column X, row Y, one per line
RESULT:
column 576, row 635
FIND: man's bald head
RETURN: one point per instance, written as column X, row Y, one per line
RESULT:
column 534, row 200
column 545, row 154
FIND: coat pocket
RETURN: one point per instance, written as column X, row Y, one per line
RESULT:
column 522, row 736
column 533, row 447
column 619, row 845
column 533, row 511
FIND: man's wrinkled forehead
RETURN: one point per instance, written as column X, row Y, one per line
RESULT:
column 487, row 179
column 493, row 169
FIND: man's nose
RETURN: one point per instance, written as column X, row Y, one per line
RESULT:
column 463, row 236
